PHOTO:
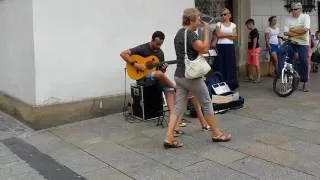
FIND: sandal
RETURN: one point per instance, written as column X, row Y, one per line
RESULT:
column 256, row 81
column 177, row 133
column 222, row 138
column 206, row 128
column 183, row 124
column 304, row 88
column 248, row 80
column 175, row 144
column 272, row 75
column 186, row 121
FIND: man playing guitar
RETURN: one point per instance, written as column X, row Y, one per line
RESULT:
column 147, row 49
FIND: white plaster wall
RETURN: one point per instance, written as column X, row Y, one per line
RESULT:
column 16, row 50
column 78, row 42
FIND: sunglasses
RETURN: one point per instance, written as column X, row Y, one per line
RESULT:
column 295, row 9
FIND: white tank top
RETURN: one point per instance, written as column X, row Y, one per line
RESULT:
column 226, row 29
column 273, row 35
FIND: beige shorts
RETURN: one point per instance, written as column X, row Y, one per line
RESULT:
column 186, row 88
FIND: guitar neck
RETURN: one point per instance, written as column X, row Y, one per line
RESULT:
column 151, row 65
column 168, row 62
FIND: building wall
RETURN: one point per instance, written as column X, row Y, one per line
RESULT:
column 77, row 43
column 17, row 76
column 261, row 10
column 64, row 51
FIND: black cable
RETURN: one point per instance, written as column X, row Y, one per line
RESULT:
column 125, row 106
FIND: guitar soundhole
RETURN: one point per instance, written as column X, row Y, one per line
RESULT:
column 152, row 59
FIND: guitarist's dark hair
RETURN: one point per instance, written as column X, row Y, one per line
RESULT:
column 158, row 34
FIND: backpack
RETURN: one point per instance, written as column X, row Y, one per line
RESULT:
column 213, row 78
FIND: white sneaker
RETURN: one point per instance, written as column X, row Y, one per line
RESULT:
column 183, row 124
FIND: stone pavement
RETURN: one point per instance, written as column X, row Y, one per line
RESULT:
column 273, row 138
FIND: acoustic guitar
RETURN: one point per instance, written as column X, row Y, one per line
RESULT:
column 151, row 63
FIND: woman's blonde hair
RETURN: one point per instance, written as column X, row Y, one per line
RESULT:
column 189, row 14
column 225, row 9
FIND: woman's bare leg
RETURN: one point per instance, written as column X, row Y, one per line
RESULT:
column 197, row 106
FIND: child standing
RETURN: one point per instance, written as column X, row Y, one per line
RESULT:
column 253, row 52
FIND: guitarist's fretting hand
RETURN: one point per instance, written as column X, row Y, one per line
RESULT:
column 140, row 67
column 164, row 67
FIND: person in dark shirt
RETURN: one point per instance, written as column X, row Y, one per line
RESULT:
column 153, row 48
column 253, row 52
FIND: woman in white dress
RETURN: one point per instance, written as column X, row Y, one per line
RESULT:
column 225, row 62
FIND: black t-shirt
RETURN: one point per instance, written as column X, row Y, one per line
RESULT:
column 179, row 47
column 145, row 50
column 254, row 33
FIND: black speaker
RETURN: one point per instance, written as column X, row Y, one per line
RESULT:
column 147, row 102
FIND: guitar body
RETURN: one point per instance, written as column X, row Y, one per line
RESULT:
column 135, row 74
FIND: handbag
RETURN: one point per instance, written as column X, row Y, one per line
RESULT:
column 194, row 68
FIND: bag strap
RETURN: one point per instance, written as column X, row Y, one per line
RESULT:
column 185, row 44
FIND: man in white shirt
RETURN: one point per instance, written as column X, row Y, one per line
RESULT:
column 296, row 28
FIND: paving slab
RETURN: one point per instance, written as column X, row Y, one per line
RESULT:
column 264, row 170
column 273, row 138
column 223, row 155
column 106, row 172
column 271, row 153
column 309, row 150
column 132, row 163
column 210, row 170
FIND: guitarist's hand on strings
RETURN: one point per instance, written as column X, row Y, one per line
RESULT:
column 140, row 67
column 164, row 67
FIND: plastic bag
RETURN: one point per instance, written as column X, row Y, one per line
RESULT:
column 265, row 55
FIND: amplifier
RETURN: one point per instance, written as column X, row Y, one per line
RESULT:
column 147, row 102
